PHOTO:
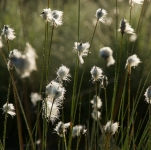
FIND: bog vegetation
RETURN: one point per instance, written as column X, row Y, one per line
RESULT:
column 75, row 75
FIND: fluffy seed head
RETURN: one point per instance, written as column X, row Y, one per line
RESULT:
column 125, row 27
column 78, row 130
column 148, row 95
column 106, row 53
column 55, row 91
column 82, row 49
column 56, row 18
column 101, row 15
column 8, row 32
column 63, row 73
column 61, row 128
column 96, row 73
column 51, row 110
column 9, row 108
column 46, row 14
column 111, row 127
column 132, row 61
column 24, row 63
column 104, row 82
column 96, row 102
column 35, row 97
column 96, row 115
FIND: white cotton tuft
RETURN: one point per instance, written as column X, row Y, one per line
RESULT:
column 101, row 15
column 125, row 27
column 78, row 130
column 8, row 32
column 61, row 128
column 111, row 128
column 9, row 108
column 35, row 97
column 63, row 73
column 96, row 73
column 82, row 49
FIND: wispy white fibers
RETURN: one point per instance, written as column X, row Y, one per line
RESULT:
column 111, row 127
column 9, row 108
column 61, row 128
column 96, row 73
column 132, row 61
column 96, row 102
column 46, row 14
column 78, row 130
column 82, row 49
column 125, row 27
column 51, row 109
column 101, row 15
column 54, row 17
column 96, row 114
column 8, row 32
column 148, row 95
column 106, row 53
column 25, row 62
column 63, row 74
column 35, row 97
column 55, row 91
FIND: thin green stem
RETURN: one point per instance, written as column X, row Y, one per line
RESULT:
column 49, row 53
column 65, row 142
column 41, row 80
column 5, row 121
column 106, row 105
column 116, row 79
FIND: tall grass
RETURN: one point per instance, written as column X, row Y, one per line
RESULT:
column 121, row 124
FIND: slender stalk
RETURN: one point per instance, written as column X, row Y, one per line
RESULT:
column 79, row 138
column 65, row 142
column 129, row 89
column 41, row 80
column 49, row 53
column 5, row 122
column 106, row 105
column 116, row 79
column 17, row 98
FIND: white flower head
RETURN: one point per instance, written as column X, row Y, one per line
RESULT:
column 96, row 102
column 132, row 61
column 132, row 2
column 55, row 91
column 125, row 27
column 51, row 110
column 96, row 115
column 82, row 49
column 61, row 128
column 24, row 63
column 148, row 95
column 63, row 73
column 78, row 130
column 9, row 108
column 35, row 97
column 56, row 18
column 106, row 53
column 1, row 44
column 101, row 15
column 46, row 14
column 111, row 127
column 8, row 32
column 96, row 73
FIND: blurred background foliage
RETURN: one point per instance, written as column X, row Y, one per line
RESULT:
column 24, row 17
